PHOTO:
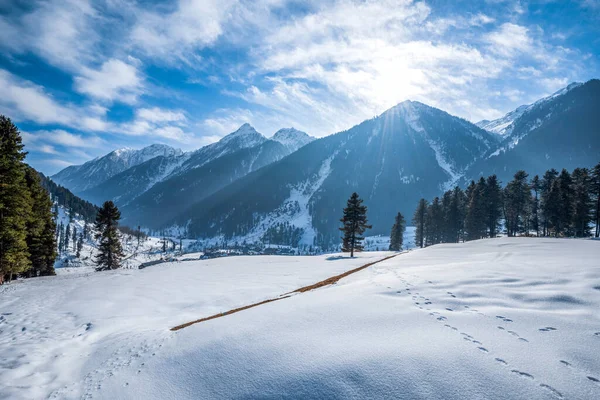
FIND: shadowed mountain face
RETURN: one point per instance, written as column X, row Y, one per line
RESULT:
column 79, row 178
column 247, row 186
column 408, row 152
column 561, row 131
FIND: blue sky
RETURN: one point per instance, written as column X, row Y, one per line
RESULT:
column 83, row 77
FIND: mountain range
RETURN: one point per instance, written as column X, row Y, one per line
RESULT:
column 246, row 187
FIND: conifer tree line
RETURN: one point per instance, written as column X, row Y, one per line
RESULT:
column 27, row 226
column 557, row 204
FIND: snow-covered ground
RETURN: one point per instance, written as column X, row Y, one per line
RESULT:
column 493, row 319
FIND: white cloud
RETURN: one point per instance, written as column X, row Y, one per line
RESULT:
column 114, row 81
column 67, row 139
column 23, row 100
column 162, row 123
column 156, row 114
column 191, row 25
column 510, row 40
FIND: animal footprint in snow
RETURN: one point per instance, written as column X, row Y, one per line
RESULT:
column 513, row 333
column 501, row 361
column 547, row 329
column 441, row 318
column 552, row 390
column 566, row 363
column 523, row 340
column 591, row 378
column 483, row 349
column 523, row 374
column 597, row 334
column 449, row 309
column 501, row 328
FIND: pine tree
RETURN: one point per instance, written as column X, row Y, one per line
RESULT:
column 582, row 202
column 15, row 202
column 517, row 196
column 493, row 205
column 476, row 217
column 67, row 237
column 354, row 224
column 419, row 221
column 546, row 206
column 565, row 183
column 79, row 246
column 535, row 205
column 552, row 209
column 434, row 223
column 397, row 234
column 41, row 228
column 596, row 195
column 74, row 238
column 110, row 251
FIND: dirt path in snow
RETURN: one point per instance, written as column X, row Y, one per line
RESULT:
column 326, row 282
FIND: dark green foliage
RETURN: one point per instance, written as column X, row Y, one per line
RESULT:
column 283, row 234
column 67, row 237
column 596, row 195
column 419, row 219
column 109, row 248
column 354, row 224
column 517, row 196
column 434, row 223
column 79, row 246
column 15, row 202
column 535, row 205
column 397, row 234
column 476, row 217
column 560, row 205
column 63, row 197
column 582, row 203
column 41, row 228
column 493, row 205
column 547, row 206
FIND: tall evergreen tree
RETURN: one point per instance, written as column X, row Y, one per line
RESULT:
column 493, row 205
column 535, row 205
column 546, row 206
column 476, row 216
column 79, row 246
column 434, row 223
column 596, row 195
column 582, row 202
column 15, row 202
column 397, row 234
column 67, row 237
column 41, row 239
column 354, row 224
column 419, row 219
column 517, row 195
column 74, row 238
column 110, row 251
column 565, row 183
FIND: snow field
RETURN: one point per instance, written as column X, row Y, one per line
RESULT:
column 68, row 336
column 506, row 318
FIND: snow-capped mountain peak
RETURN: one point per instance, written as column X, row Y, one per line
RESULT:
column 82, row 177
column 504, row 125
column 292, row 138
column 246, row 134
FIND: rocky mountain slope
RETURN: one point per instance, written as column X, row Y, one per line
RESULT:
column 408, row 152
column 79, row 178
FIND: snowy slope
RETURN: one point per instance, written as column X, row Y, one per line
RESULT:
column 505, row 124
column 491, row 319
column 78, row 178
column 292, row 138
